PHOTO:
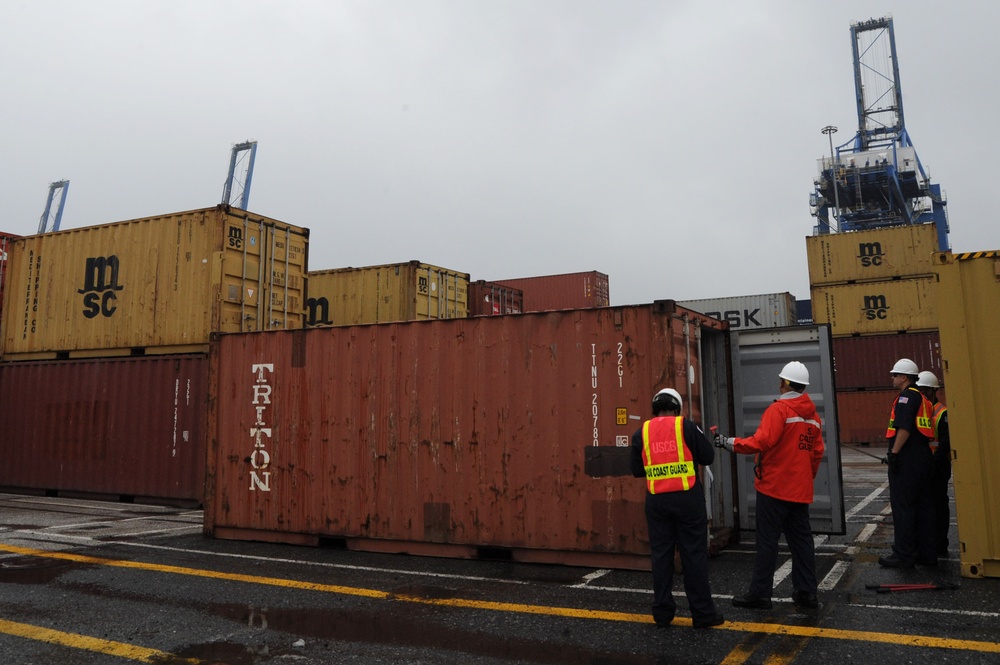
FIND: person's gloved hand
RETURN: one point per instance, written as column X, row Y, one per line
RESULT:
column 892, row 459
column 724, row 442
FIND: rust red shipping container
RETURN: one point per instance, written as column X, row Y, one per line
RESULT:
column 507, row 432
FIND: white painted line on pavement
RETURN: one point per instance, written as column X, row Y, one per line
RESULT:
column 587, row 579
column 868, row 499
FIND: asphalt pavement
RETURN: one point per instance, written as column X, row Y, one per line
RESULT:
column 86, row 582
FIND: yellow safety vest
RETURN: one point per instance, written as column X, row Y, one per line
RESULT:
column 939, row 411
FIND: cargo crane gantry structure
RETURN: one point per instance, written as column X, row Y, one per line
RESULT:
column 876, row 179
column 50, row 219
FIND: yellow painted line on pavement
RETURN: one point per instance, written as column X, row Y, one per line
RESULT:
column 739, row 626
column 107, row 647
column 196, row 572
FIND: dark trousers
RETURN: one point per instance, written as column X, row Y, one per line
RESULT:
column 940, row 473
column 775, row 517
column 912, row 504
column 678, row 520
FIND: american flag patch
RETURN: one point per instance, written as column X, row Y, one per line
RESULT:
column 904, row 400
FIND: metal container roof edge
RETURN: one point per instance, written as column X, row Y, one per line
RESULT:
column 224, row 209
column 412, row 262
column 561, row 274
column 661, row 307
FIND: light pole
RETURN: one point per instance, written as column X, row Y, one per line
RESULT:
column 830, row 130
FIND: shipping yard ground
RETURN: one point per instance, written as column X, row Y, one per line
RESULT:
column 85, row 582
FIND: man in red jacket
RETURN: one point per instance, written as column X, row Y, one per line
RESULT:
column 789, row 446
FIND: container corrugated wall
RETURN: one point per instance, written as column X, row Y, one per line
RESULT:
column 877, row 307
column 866, row 361
column 767, row 310
column 970, row 319
column 158, row 284
column 108, row 426
column 857, row 256
column 410, row 291
column 508, row 431
column 863, row 416
column 492, row 299
column 567, row 291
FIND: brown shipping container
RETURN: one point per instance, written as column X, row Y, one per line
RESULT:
column 970, row 319
column 492, row 299
column 865, row 361
column 856, row 256
column 447, row 436
column 106, row 426
column 5, row 240
column 576, row 290
column 875, row 308
column 411, row 291
column 863, row 415
column 158, row 284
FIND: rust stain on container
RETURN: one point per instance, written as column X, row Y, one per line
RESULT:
column 865, row 361
column 507, row 431
column 159, row 284
column 857, row 256
column 111, row 426
column 970, row 318
column 411, row 291
column 877, row 307
column 576, row 290
column 492, row 299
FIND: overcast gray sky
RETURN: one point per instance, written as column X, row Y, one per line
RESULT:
column 671, row 145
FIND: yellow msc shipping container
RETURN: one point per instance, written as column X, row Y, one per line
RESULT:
column 970, row 318
column 395, row 292
column 857, row 256
column 872, row 308
column 153, row 285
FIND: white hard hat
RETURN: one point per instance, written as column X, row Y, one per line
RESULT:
column 666, row 396
column 795, row 372
column 927, row 380
column 905, row 366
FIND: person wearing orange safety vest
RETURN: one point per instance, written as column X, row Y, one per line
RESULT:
column 928, row 384
column 666, row 452
column 909, row 434
column 789, row 447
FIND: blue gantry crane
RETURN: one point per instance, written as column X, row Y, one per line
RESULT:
column 876, row 179
column 243, row 155
column 51, row 219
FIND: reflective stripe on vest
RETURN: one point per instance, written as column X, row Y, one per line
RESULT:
column 666, row 457
column 924, row 417
column 939, row 411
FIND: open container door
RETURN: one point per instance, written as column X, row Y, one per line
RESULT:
column 758, row 356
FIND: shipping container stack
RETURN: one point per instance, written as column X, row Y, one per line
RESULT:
column 411, row 291
column 577, row 290
column 104, row 335
column 876, row 291
column 492, row 299
column 768, row 310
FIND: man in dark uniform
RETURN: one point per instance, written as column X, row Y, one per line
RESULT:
column 666, row 451
column 909, row 459
column 940, row 461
